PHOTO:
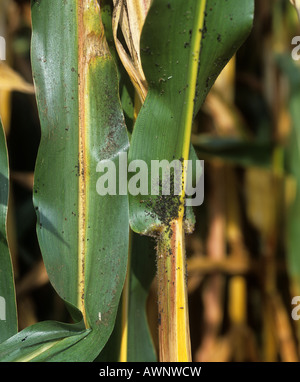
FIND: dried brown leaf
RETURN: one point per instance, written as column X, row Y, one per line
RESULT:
column 130, row 16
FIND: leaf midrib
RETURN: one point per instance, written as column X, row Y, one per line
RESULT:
column 82, row 158
column 188, row 111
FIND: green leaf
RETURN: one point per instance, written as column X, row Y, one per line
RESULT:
column 44, row 341
column 293, row 223
column 292, row 159
column 291, row 70
column 8, row 315
column 170, row 57
column 142, row 272
column 131, row 338
column 236, row 151
column 83, row 236
column 292, row 156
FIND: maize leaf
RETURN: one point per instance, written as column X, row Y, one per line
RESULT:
column 82, row 123
column 8, row 315
column 184, row 46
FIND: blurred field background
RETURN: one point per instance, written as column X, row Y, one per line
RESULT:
column 244, row 255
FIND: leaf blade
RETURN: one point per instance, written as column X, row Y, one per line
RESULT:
column 8, row 313
column 82, row 124
column 167, row 57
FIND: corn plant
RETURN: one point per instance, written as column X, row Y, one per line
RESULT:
column 114, row 79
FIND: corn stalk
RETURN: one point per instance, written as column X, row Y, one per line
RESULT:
column 180, row 68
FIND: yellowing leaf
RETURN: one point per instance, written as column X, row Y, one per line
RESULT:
column 11, row 80
column 296, row 4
